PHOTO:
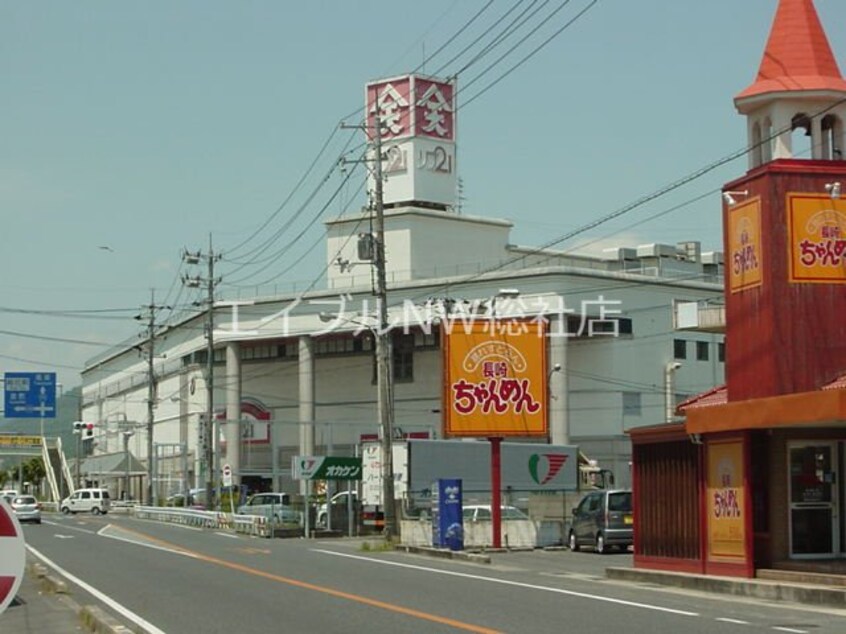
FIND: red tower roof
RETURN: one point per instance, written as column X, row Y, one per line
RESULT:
column 798, row 56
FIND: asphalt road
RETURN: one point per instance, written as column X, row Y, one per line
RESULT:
column 175, row 579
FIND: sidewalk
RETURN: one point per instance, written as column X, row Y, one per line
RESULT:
column 806, row 588
column 44, row 606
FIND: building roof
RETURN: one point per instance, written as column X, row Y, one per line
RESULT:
column 798, row 56
column 719, row 396
column 837, row 384
column 714, row 396
column 114, row 464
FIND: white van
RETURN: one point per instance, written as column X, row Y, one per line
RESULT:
column 87, row 501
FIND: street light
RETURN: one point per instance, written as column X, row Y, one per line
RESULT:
column 126, row 436
column 669, row 390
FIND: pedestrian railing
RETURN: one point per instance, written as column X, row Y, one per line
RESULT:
column 255, row 525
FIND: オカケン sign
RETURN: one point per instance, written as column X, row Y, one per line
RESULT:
column 495, row 379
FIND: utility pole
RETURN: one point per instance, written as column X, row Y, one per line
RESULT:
column 212, row 454
column 151, row 311
column 383, row 347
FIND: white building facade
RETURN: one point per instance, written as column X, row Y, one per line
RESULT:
column 288, row 382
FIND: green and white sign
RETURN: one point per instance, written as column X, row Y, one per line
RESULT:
column 325, row 468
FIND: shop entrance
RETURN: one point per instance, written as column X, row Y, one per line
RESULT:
column 815, row 499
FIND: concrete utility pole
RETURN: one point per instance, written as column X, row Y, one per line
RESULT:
column 383, row 347
column 212, row 455
column 152, row 309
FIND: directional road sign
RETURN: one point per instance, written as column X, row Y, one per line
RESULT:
column 30, row 394
column 12, row 555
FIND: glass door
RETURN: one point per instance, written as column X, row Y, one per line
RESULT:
column 814, row 499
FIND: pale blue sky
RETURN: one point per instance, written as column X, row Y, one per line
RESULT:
column 146, row 126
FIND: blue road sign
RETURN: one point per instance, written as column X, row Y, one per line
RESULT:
column 30, row 394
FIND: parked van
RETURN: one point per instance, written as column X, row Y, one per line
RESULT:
column 87, row 501
column 602, row 519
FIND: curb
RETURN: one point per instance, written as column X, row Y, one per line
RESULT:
column 756, row 588
column 92, row 618
column 95, row 620
column 443, row 553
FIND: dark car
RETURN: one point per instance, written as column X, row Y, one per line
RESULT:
column 602, row 519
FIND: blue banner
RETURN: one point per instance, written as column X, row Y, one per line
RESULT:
column 447, row 520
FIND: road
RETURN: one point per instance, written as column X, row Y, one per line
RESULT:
column 176, row 579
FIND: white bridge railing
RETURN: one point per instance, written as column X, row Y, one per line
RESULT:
column 255, row 525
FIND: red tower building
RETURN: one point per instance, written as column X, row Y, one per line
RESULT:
column 756, row 466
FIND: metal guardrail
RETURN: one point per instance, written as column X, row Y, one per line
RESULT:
column 255, row 525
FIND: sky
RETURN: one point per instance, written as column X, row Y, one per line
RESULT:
column 132, row 131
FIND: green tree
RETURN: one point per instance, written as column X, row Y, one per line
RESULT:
column 33, row 471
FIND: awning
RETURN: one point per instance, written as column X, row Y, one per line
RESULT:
column 112, row 465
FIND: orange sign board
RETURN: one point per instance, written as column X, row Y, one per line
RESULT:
column 817, row 238
column 495, row 379
column 745, row 246
column 725, row 501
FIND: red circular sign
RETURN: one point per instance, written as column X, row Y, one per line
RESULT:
column 12, row 555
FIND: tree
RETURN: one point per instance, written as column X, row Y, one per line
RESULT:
column 33, row 471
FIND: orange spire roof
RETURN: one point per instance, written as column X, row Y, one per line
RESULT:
column 798, row 56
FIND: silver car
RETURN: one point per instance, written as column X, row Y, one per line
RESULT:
column 27, row 509
column 274, row 506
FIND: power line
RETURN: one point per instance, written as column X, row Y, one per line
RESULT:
column 533, row 52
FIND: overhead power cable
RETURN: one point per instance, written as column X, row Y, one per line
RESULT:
column 531, row 54
column 519, row 20
column 26, row 335
column 288, row 198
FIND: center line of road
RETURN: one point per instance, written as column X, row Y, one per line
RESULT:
column 160, row 544
column 506, row 582
column 735, row 621
column 790, row 629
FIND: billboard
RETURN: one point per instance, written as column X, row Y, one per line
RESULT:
column 817, row 238
column 745, row 266
column 725, row 500
column 417, row 126
column 495, row 381
column 412, row 105
column 524, row 467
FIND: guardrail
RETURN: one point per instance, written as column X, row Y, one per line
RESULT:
column 255, row 525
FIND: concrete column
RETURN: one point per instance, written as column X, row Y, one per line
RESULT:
column 559, row 424
column 232, row 427
column 184, row 439
column 306, row 380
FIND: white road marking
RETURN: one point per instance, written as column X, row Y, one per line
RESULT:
column 528, row 586
column 117, row 607
column 735, row 621
column 63, row 536
column 227, row 535
column 72, row 528
column 790, row 629
column 139, row 542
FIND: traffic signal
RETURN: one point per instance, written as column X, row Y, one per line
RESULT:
column 89, row 431
column 78, row 426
